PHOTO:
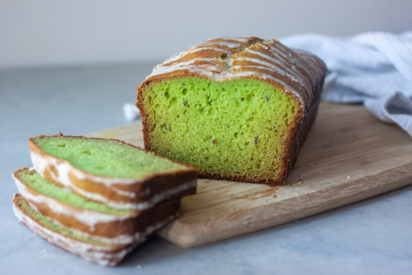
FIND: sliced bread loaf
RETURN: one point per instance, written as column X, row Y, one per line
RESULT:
column 89, row 218
column 235, row 108
column 110, row 171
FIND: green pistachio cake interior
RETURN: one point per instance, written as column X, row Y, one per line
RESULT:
column 106, row 157
column 43, row 186
column 234, row 128
column 35, row 215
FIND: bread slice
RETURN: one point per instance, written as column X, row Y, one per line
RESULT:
column 111, row 171
column 88, row 248
column 234, row 108
column 113, row 226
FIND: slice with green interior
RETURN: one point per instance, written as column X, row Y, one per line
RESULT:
column 36, row 183
column 110, row 171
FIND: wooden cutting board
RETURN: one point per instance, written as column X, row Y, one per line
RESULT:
column 349, row 156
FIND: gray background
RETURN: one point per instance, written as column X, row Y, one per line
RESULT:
column 50, row 32
column 103, row 49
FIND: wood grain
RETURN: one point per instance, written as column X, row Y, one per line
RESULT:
column 348, row 156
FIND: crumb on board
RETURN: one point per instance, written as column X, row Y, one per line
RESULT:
column 110, row 134
column 348, row 177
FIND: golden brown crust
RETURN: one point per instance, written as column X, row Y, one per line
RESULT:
column 143, row 190
column 296, row 73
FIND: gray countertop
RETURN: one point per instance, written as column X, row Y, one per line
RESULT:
column 374, row 236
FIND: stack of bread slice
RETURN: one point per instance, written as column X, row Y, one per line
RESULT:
column 98, row 198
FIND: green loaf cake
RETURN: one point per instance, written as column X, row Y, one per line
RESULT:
column 234, row 108
column 110, row 171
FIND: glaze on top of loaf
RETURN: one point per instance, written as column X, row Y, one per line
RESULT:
column 221, row 59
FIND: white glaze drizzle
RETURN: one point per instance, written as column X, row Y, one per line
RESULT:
column 224, row 76
column 280, row 72
column 135, row 206
column 120, row 239
column 64, row 168
column 277, row 70
column 190, row 51
column 183, row 65
column 276, row 59
column 87, row 217
column 240, row 39
column 224, row 43
column 272, row 61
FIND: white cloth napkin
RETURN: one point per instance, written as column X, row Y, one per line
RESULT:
column 371, row 68
column 130, row 111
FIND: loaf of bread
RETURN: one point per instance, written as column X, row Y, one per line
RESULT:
column 98, row 198
column 234, row 108
column 112, row 172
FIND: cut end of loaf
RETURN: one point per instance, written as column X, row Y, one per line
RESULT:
column 106, row 157
column 238, row 129
column 236, row 108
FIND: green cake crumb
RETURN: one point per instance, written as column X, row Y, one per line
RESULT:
column 107, row 157
column 232, row 127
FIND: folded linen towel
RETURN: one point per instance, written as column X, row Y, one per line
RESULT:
column 371, row 68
